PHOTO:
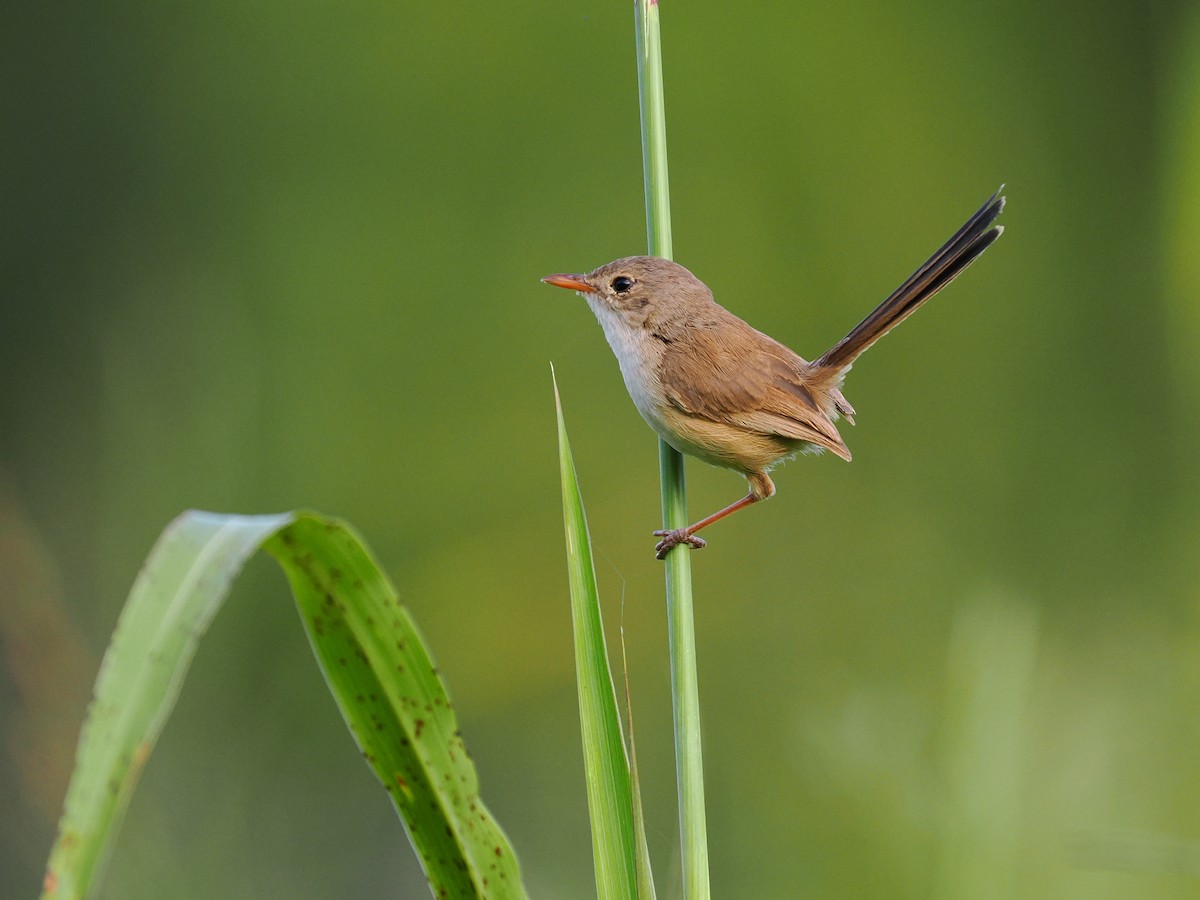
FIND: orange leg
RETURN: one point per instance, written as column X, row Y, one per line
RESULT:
column 760, row 489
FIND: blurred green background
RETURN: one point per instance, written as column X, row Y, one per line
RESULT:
column 263, row 256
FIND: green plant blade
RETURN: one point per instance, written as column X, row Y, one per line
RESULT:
column 606, row 766
column 173, row 599
column 396, row 706
column 180, row 588
column 644, row 875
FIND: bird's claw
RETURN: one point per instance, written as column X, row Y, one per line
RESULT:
column 674, row 538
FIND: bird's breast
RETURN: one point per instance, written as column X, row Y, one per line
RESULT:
column 639, row 355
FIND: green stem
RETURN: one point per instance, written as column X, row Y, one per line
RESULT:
column 689, row 764
column 654, row 129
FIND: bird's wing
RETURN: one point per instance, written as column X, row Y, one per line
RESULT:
column 748, row 380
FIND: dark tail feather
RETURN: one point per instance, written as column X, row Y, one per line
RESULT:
column 937, row 272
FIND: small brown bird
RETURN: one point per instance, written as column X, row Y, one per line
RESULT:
column 717, row 389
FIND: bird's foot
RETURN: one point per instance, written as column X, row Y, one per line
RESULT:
column 674, row 538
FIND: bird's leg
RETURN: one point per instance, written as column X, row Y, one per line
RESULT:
column 761, row 487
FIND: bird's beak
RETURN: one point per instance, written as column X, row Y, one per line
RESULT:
column 570, row 282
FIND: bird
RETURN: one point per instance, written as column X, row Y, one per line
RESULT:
column 717, row 389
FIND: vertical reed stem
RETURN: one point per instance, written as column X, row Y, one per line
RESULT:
column 689, row 765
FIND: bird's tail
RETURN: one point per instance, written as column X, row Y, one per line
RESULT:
column 937, row 272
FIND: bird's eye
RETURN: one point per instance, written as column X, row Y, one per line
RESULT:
column 622, row 283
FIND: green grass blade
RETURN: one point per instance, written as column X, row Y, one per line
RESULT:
column 606, row 766
column 645, row 876
column 180, row 588
column 174, row 597
column 396, row 706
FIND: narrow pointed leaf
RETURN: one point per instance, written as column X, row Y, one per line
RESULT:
column 645, row 876
column 396, row 706
column 175, row 596
column 374, row 661
column 610, row 804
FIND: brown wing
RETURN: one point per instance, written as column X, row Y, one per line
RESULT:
column 748, row 380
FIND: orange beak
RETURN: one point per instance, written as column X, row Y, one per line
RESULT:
column 570, row 282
